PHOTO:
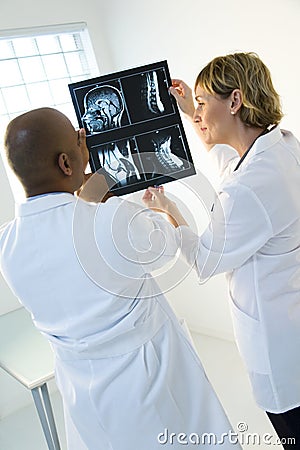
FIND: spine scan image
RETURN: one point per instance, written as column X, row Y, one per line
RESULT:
column 153, row 99
column 165, row 156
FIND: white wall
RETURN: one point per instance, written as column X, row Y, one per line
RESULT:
column 127, row 33
column 189, row 34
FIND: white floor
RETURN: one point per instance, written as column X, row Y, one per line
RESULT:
column 22, row 431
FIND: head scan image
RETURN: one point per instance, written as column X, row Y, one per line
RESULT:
column 103, row 109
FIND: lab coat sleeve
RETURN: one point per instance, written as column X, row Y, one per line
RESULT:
column 239, row 227
column 153, row 238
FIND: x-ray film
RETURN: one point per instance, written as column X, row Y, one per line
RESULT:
column 134, row 131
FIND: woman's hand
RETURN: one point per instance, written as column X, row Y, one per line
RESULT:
column 155, row 199
column 184, row 97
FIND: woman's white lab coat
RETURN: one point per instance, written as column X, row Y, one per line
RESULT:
column 254, row 236
column 126, row 369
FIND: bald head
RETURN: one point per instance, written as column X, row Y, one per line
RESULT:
column 33, row 143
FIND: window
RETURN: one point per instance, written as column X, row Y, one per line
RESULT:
column 36, row 66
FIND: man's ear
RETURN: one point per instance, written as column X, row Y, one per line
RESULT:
column 236, row 100
column 64, row 164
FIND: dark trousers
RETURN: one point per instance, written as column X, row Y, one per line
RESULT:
column 287, row 427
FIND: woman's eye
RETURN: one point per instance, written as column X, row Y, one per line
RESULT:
column 200, row 105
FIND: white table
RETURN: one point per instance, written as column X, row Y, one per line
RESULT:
column 27, row 356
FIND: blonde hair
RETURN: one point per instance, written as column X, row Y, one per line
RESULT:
column 244, row 71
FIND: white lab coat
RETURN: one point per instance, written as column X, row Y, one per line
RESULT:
column 254, row 236
column 125, row 367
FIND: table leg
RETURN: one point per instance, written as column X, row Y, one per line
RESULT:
column 42, row 403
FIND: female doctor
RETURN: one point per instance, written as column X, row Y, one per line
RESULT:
column 254, row 233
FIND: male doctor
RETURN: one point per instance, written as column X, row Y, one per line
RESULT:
column 127, row 372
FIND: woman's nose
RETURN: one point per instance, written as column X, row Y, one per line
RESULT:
column 197, row 116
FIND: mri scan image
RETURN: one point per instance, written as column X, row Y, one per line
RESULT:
column 103, row 109
column 147, row 96
column 133, row 127
column 117, row 161
column 163, row 152
column 152, row 96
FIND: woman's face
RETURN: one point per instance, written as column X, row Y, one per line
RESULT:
column 214, row 118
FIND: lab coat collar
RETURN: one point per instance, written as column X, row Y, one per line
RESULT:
column 265, row 141
column 43, row 203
